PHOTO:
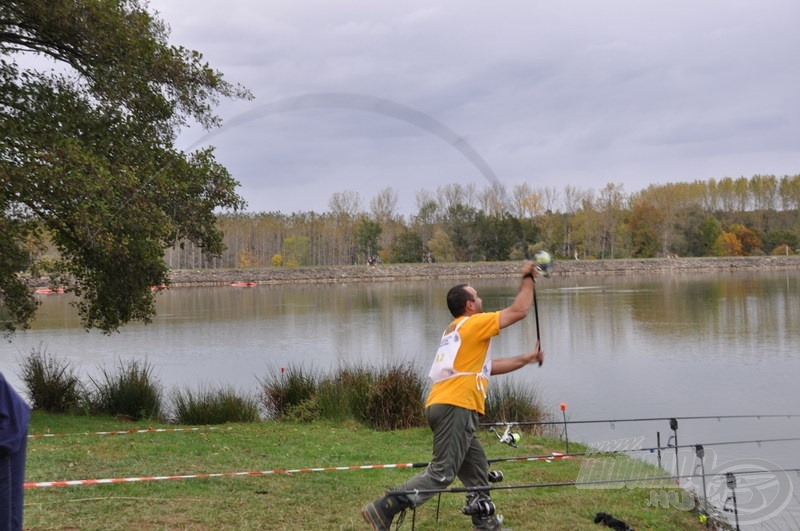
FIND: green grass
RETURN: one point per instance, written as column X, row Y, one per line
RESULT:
column 313, row 500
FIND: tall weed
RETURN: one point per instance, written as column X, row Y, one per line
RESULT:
column 289, row 388
column 130, row 392
column 52, row 384
column 387, row 399
column 395, row 399
column 332, row 401
column 354, row 384
column 510, row 400
column 208, row 406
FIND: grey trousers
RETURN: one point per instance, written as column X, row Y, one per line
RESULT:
column 456, row 453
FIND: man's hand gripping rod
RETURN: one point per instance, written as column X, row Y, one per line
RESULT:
column 545, row 264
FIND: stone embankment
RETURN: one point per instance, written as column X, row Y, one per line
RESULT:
column 393, row 272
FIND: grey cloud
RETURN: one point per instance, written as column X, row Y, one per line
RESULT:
column 554, row 93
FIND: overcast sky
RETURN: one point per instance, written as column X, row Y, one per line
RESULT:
column 579, row 93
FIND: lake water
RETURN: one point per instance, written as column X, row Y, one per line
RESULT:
column 617, row 348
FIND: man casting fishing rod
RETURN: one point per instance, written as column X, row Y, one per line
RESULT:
column 460, row 375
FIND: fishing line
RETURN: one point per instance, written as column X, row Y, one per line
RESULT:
column 362, row 102
column 359, row 102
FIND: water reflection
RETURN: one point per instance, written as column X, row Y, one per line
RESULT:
column 750, row 316
column 617, row 347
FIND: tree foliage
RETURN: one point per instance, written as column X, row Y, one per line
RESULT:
column 296, row 251
column 727, row 244
column 92, row 96
column 407, row 248
column 681, row 219
column 367, row 234
column 495, row 236
column 711, row 231
column 645, row 225
column 750, row 240
column 442, row 249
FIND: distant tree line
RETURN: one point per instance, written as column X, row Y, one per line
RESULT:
column 726, row 217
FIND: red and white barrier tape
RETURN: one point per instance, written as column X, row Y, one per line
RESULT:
column 78, row 482
column 118, row 432
column 278, row 471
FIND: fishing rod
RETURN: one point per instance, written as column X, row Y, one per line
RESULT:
column 642, row 419
column 545, row 264
column 486, row 488
column 487, row 508
column 754, row 441
column 512, row 438
column 590, row 453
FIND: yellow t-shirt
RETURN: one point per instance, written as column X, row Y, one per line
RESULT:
column 468, row 391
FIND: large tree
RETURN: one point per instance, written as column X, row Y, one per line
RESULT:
column 92, row 97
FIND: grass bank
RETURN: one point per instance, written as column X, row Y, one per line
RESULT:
column 304, row 500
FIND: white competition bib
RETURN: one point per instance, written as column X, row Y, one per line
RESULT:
column 442, row 367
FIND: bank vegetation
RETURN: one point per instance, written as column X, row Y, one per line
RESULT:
column 457, row 223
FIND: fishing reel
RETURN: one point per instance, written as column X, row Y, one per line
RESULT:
column 495, row 476
column 508, row 437
column 480, row 507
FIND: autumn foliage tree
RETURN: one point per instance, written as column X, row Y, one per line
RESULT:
column 92, row 96
column 750, row 240
column 727, row 244
column 683, row 219
column 645, row 221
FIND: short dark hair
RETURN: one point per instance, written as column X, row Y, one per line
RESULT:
column 457, row 299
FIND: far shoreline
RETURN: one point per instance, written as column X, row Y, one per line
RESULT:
column 399, row 272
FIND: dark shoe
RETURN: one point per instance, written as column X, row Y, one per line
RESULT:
column 380, row 513
column 490, row 523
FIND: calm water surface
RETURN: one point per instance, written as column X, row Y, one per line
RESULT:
column 616, row 348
